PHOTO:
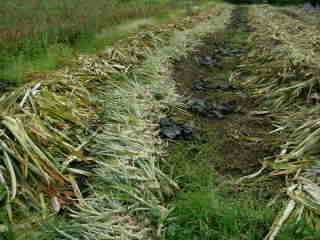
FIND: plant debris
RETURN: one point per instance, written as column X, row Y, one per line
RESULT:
column 283, row 69
column 80, row 126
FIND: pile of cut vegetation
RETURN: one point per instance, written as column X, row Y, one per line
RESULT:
column 83, row 144
column 283, row 68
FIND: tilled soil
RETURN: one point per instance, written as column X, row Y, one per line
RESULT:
column 223, row 110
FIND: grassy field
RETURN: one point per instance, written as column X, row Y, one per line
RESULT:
column 41, row 35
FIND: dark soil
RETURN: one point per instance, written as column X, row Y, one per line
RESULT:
column 240, row 138
column 169, row 129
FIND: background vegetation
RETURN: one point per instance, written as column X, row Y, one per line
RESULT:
column 41, row 34
column 278, row 2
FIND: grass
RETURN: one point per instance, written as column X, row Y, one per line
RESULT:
column 208, row 207
column 43, row 35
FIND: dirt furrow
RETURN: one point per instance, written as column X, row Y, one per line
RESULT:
column 231, row 139
column 220, row 106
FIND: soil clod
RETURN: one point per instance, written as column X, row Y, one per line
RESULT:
column 209, row 61
column 232, row 52
column 204, row 85
column 211, row 108
column 170, row 129
column 200, row 85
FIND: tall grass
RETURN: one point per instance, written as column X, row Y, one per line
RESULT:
column 42, row 33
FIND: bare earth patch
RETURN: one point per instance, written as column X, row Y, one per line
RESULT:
column 240, row 138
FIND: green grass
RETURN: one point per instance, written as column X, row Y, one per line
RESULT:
column 51, row 58
column 46, row 231
column 42, row 35
column 208, row 207
column 205, row 210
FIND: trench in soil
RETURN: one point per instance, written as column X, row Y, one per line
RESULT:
column 230, row 147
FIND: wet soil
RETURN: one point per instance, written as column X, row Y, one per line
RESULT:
column 240, row 139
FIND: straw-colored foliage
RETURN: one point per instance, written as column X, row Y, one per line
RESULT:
column 43, row 131
column 284, row 70
column 85, row 140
